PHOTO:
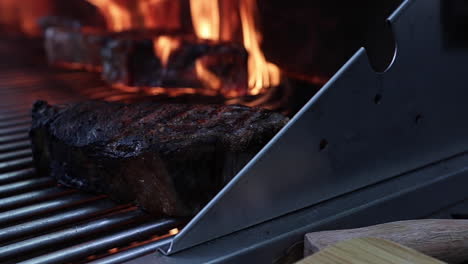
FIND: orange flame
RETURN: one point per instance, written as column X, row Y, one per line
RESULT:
column 117, row 16
column 262, row 74
column 230, row 22
column 206, row 22
column 214, row 20
column 205, row 18
column 164, row 46
column 209, row 79
column 22, row 16
column 163, row 14
column 123, row 15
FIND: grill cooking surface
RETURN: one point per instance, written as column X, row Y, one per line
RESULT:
column 41, row 222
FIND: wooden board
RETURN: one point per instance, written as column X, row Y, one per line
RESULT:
column 368, row 250
column 444, row 239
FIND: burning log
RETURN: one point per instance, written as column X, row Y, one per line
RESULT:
column 150, row 58
column 170, row 159
column 75, row 47
column 170, row 62
column 217, row 56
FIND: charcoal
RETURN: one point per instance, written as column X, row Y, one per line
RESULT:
column 132, row 62
column 170, row 159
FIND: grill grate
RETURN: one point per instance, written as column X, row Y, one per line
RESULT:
column 41, row 222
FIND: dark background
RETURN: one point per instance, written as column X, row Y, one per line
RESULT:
column 317, row 37
column 304, row 37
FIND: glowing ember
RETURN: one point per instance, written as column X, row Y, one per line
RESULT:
column 174, row 231
column 113, row 250
column 164, row 46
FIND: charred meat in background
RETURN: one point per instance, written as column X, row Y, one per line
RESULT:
column 170, row 159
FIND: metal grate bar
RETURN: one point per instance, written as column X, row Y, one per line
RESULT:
column 18, row 114
column 27, row 101
column 16, row 122
column 30, row 89
column 121, row 97
column 17, row 175
column 102, row 94
column 26, row 185
column 15, row 129
column 107, row 242
column 14, row 137
column 132, row 253
column 56, row 220
column 15, row 146
column 9, row 106
column 56, row 238
column 17, row 164
column 27, row 212
column 15, row 155
column 27, row 198
column 37, row 217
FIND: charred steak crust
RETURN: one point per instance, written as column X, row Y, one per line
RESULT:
column 170, row 159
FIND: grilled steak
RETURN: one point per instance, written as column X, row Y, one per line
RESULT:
column 170, row 159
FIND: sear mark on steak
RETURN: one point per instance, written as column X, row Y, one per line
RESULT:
column 170, row 159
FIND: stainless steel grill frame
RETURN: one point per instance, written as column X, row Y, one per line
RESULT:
column 361, row 128
column 435, row 191
column 274, row 224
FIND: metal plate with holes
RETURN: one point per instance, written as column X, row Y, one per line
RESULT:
column 361, row 128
